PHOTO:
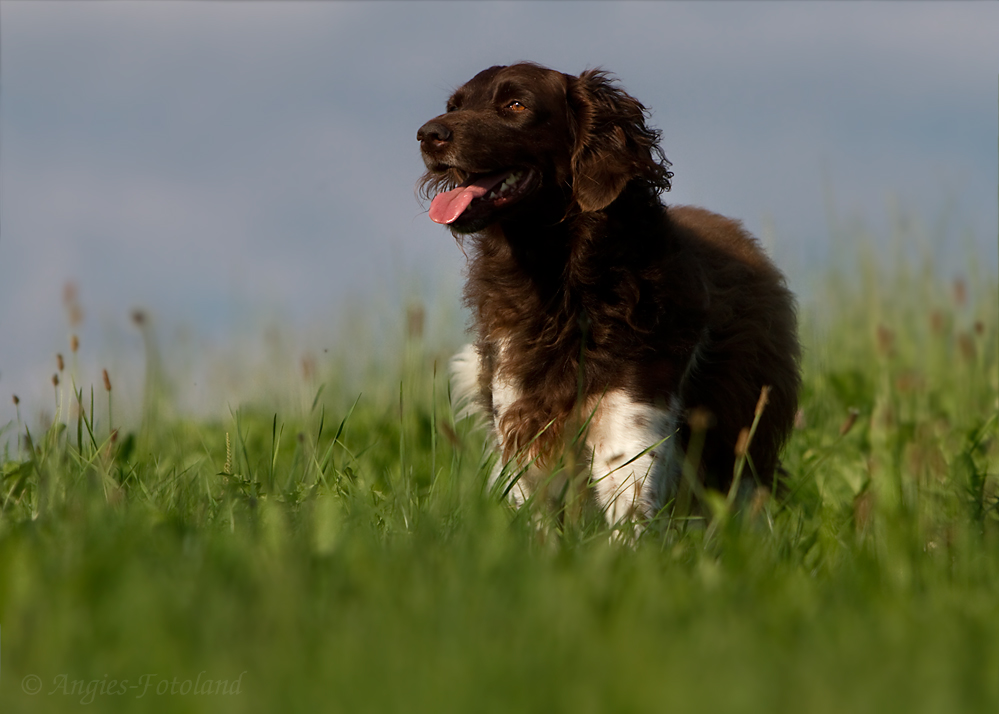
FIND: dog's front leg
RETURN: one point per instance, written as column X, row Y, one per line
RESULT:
column 633, row 446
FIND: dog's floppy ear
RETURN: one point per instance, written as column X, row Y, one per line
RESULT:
column 612, row 144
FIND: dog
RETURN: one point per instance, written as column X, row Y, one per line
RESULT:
column 639, row 338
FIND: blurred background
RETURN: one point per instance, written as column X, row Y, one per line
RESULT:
column 243, row 173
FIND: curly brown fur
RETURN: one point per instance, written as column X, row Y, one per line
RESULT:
column 585, row 282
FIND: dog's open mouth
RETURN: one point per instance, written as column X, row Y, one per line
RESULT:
column 480, row 195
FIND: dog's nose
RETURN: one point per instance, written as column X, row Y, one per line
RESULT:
column 433, row 131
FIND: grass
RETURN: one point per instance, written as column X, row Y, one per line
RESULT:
column 344, row 556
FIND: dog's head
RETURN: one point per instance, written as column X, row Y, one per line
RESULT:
column 516, row 135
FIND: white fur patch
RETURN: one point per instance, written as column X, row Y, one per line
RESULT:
column 466, row 399
column 632, row 446
column 505, row 392
column 634, row 455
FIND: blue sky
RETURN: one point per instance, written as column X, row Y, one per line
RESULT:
column 227, row 165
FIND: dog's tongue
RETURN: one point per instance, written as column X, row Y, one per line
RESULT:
column 448, row 205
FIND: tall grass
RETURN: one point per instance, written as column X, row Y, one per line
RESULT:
column 346, row 555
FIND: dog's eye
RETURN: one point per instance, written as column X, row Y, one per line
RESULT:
column 515, row 106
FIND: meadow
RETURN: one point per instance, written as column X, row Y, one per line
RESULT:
column 344, row 554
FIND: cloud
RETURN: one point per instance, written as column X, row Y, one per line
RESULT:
column 218, row 160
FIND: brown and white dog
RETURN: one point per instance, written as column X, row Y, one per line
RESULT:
column 603, row 318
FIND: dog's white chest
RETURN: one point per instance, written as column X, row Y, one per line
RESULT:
column 630, row 446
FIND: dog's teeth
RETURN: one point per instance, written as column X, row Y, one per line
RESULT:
column 508, row 183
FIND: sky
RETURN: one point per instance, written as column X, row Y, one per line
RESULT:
column 244, row 171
